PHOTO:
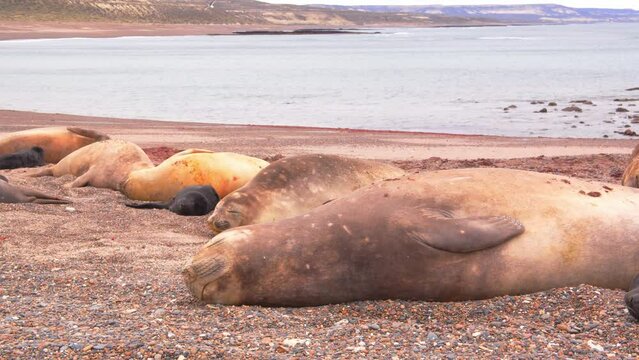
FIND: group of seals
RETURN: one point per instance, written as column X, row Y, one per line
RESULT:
column 33, row 157
column 13, row 194
column 105, row 164
column 441, row 236
column 57, row 142
column 295, row 185
column 224, row 171
column 190, row 201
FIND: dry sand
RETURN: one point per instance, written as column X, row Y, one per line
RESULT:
column 103, row 281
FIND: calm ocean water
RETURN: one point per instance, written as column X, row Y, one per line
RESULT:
column 455, row 80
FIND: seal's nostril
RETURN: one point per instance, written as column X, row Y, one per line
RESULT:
column 222, row 224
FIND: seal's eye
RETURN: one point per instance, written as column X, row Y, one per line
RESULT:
column 234, row 212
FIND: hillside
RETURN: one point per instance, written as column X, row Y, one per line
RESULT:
column 542, row 13
column 222, row 12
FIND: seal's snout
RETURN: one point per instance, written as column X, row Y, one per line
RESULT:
column 222, row 225
column 203, row 270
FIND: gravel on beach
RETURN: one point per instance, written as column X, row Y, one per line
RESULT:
column 96, row 279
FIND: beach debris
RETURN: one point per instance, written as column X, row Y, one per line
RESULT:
column 626, row 99
column 633, row 89
column 585, row 102
column 537, row 102
column 552, row 103
column 572, row 108
column 510, row 107
column 627, row 132
column 69, row 209
column 620, row 109
column 543, row 110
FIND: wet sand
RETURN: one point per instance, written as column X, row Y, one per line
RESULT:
column 103, row 280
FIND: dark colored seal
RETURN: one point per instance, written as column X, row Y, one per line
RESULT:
column 632, row 298
column 190, row 201
column 14, row 194
column 23, row 159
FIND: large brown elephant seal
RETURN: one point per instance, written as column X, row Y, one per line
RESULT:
column 441, row 236
column 631, row 175
column 104, row 164
column 57, row 142
column 295, row 185
column 14, row 194
column 225, row 172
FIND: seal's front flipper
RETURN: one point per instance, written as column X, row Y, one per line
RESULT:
column 632, row 298
column 37, row 197
column 98, row 136
column 147, row 205
column 81, row 181
column 442, row 231
column 49, row 201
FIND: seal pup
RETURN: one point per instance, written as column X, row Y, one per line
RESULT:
column 224, row 171
column 105, row 164
column 33, row 157
column 295, row 185
column 190, row 201
column 632, row 298
column 631, row 174
column 57, row 142
column 447, row 235
column 13, row 194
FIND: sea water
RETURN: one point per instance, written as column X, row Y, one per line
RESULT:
column 452, row 80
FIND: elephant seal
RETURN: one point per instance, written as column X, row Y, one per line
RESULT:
column 631, row 175
column 447, row 235
column 13, row 194
column 295, row 185
column 190, row 201
column 225, row 172
column 105, row 164
column 632, row 298
column 57, row 142
column 23, row 159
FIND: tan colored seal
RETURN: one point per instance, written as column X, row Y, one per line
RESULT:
column 295, row 185
column 104, row 164
column 441, row 236
column 631, row 175
column 225, row 172
column 57, row 142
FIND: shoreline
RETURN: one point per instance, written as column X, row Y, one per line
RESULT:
column 274, row 140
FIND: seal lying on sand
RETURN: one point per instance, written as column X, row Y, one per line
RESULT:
column 105, row 164
column 13, row 194
column 57, row 142
column 190, row 201
column 632, row 298
column 295, row 185
column 631, row 175
column 225, row 172
column 441, row 236
column 23, row 159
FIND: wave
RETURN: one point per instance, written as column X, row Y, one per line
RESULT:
column 508, row 38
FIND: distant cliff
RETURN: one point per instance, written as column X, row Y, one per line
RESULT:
column 218, row 12
column 514, row 14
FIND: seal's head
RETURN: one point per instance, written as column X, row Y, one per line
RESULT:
column 234, row 210
column 209, row 275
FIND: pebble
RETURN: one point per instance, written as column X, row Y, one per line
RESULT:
column 374, row 327
column 69, row 209
column 594, row 346
column 431, row 336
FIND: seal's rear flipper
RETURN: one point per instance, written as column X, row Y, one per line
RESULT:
column 50, row 201
column 46, row 171
column 4, row 179
column 98, row 136
column 147, row 205
column 446, row 233
column 38, row 197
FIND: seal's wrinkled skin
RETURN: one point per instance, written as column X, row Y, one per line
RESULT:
column 57, row 142
column 440, row 236
column 295, row 185
column 190, row 201
column 104, row 164
column 631, row 175
column 224, row 171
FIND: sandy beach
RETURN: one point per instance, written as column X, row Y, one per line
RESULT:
column 103, row 280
